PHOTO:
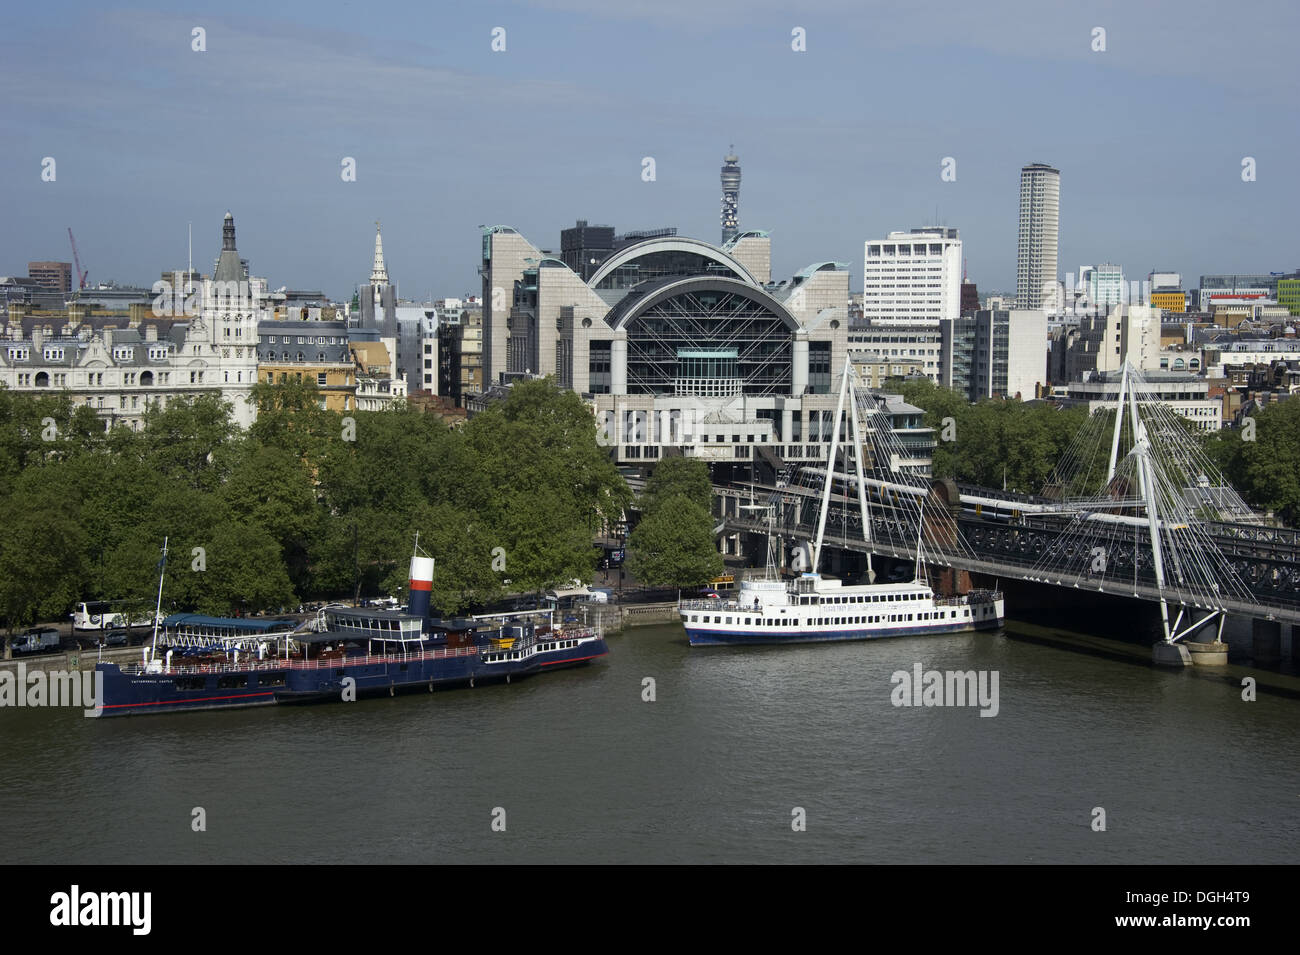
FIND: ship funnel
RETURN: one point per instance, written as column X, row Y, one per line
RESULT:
column 421, row 586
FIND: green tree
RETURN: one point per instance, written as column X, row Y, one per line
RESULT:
column 1268, row 468
column 688, row 477
column 537, row 480
column 673, row 545
column 271, row 488
column 244, row 572
column 188, row 440
column 41, row 552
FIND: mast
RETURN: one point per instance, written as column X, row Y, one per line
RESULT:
column 157, row 610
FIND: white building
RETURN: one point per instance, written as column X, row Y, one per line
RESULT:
column 1040, row 201
column 912, row 277
column 1187, row 395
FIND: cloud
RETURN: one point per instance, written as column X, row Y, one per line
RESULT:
column 1247, row 47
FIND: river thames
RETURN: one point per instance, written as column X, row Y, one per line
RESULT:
column 579, row 767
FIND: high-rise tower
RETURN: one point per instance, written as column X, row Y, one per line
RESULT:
column 1040, row 200
column 730, row 196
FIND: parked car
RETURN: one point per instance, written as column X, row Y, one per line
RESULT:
column 116, row 638
column 36, row 640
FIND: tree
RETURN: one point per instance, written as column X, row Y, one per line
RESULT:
column 673, row 546
column 537, row 480
column 187, row 440
column 41, row 552
column 688, row 477
column 1268, row 468
column 271, row 488
column 244, row 572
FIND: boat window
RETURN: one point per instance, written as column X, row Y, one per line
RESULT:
column 231, row 681
column 272, row 679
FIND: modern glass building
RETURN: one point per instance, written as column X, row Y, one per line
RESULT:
column 679, row 344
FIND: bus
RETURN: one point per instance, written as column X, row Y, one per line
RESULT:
column 103, row 615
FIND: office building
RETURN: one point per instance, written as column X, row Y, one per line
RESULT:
column 1036, row 263
column 912, row 277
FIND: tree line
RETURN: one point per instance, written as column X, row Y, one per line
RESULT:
column 997, row 441
column 306, row 504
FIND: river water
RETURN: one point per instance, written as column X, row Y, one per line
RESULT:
column 580, row 768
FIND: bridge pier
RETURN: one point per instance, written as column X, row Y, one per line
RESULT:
column 1266, row 641
column 1171, row 654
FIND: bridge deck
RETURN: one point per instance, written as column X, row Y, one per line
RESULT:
column 1269, row 557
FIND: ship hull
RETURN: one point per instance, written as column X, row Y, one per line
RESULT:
column 127, row 694
column 699, row 637
column 567, row 652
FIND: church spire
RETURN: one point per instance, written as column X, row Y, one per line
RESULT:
column 379, row 274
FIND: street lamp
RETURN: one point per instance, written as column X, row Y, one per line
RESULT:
column 622, row 557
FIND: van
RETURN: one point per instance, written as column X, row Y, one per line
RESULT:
column 36, row 640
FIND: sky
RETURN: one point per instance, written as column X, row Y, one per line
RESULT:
column 840, row 142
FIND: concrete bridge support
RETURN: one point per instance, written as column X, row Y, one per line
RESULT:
column 1266, row 641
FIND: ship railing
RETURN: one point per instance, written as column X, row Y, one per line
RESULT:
column 975, row 596
column 318, row 663
column 706, row 603
column 555, row 636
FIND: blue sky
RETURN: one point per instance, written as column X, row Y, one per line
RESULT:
column 838, row 144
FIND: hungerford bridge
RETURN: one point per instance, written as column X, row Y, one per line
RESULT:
column 1151, row 519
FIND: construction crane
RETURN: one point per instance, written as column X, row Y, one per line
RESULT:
column 76, row 261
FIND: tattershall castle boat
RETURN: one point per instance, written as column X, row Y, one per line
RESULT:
column 201, row 663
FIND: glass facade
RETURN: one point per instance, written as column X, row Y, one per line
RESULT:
column 598, row 365
column 664, row 264
column 819, row 368
column 714, row 321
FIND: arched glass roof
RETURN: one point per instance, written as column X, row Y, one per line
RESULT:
column 667, row 257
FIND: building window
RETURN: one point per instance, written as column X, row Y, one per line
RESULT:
column 320, row 379
column 54, row 354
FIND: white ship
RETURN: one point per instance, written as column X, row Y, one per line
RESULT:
column 814, row 608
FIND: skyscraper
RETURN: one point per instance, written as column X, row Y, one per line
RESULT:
column 730, row 196
column 1040, row 199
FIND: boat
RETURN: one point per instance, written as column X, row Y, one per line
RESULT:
column 342, row 653
column 814, row 608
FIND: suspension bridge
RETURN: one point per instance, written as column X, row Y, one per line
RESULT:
column 1134, row 509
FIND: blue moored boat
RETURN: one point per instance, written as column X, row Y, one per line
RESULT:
column 345, row 653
